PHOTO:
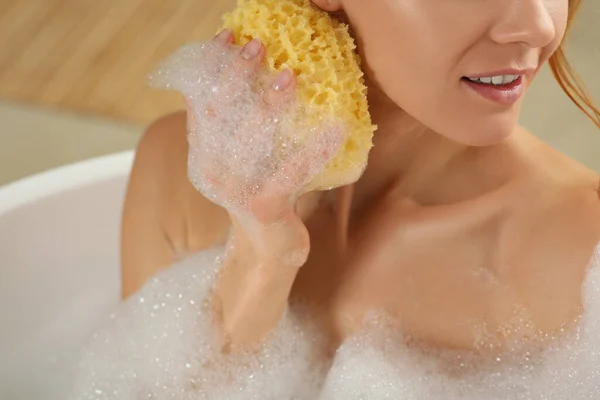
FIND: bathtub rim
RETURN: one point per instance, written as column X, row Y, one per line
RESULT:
column 64, row 178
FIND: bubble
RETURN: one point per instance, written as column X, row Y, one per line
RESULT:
column 244, row 142
column 173, row 353
column 166, row 347
column 376, row 365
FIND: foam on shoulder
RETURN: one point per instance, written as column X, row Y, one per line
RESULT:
column 377, row 365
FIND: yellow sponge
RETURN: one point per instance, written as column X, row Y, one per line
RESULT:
column 321, row 52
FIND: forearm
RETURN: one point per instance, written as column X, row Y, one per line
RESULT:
column 256, row 278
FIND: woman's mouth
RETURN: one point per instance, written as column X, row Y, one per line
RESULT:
column 501, row 89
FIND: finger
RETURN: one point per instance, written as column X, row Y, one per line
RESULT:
column 253, row 52
column 242, row 70
column 225, row 37
column 251, row 58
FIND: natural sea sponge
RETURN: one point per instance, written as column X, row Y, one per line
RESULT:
column 321, row 52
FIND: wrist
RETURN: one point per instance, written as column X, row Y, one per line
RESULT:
column 279, row 243
column 254, row 285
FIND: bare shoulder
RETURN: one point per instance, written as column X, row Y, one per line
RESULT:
column 552, row 234
column 567, row 195
column 164, row 216
column 559, row 195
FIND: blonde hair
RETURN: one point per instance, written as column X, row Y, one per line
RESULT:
column 568, row 79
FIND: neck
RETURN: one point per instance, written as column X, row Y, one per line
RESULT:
column 406, row 155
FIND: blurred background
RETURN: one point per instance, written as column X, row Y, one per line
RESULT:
column 73, row 78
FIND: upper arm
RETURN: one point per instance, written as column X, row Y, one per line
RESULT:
column 163, row 214
column 144, row 245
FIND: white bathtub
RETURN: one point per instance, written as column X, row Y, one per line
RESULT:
column 59, row 270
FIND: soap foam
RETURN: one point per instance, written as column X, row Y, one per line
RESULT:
column 161, row 344
column 376, row 365
column 240, row 143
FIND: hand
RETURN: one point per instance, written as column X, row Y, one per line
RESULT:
column 244, row 150
column 247, row 152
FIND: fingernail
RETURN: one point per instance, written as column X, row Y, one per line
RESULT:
column 251, row 50
column 283, row 80
column 223, row 36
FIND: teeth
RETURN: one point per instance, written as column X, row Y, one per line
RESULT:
column 496, row 80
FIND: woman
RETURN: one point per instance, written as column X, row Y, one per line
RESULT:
column 462, row 219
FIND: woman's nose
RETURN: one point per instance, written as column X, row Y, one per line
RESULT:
column 526, row 21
